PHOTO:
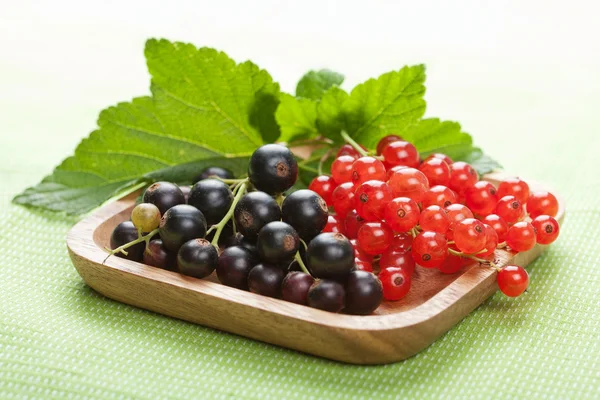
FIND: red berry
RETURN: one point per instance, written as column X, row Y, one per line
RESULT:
column 429, row 249
column 324, row 186
column 436, row 170
column 352, row 223
column 469, row 236
column 397, row 260
column 441, row 156
column 434, row 218
column 408, row 182
column 359, row 253
column 509, row 209
column 385, row 141
column 542, row 203
column 341, row 169
column 546, row 229
column 401, row 153
column 334, row 224
column 370, row 199
column 457, row 213
column 481, row 198
column 452, row 264
column 439, row 196
column 491, row 241
column 512, row 280
column 462, row 176
column 401, row 243
column 514, row 187
column 521, row 236
column 343, row 199
column 348, row 150
column 499, row 225
column 374, row 237
column 363, row 265
column 396, row 283
column 367, row 169
column 402, row 214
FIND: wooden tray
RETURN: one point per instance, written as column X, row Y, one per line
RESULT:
column 397, row 330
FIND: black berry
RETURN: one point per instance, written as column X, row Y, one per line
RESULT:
column 266, row 279
column 234, row 265
column 197, row 258
column 326, row 295
column 213, row 198
column 273, row 169
column 277, row 243
column 295, row 287
column 212, row 172
column 331, row 256
column 180, row 224
column 157, row 255
column 364, row 293
column 253, row 211
column 306, row 211
column 124, row 233
column 164, row 195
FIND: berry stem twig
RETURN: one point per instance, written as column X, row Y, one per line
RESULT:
column 231, row 181
column 474, row 258
column 352, row 143
column 239, row 193
column 323, row 159
column 301, row 263
column 141, row 238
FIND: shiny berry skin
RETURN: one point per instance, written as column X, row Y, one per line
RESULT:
column 408, row 182
column 363, row 265
column 213, row 198
column 514, row 187
column 330, row 256
column 324, row 186
column 266, row 279
column 384, row 141
column 457, row 213
column 391, row 258
column 327, row 295
column 343, row 199
column 439, row 196
column 401, row 242
column 462, row 176
column 401, row 153
column 234, row 265
column 395, row 282
column 436, row 170
column 370, row 199
column 334, row 224
column 277, row 243
column 352, row 224
column 164, row 195
column 145, row 217
column 429, row 249
column 348, row 150
column 341, row 169
column 481, row 198
column 367, row 169
column 521, row 236
column 273, row 169
column 364, row 293
column 499, row 225
column 452, row 264
column 469, row 235
column 359, row 253
column 197, row 258
column 253, row 211
column 212, row 172
column 441, row 156
column 157, row 255
column 435, row 219
column 509, row 209
column 124, row 233
column 180, row 224
column 491, row 241
column 542, row 203
column 375, row 237
column 512, row 280
column 295, row 286
column 306, row 211
column 402, row 214
column 546, row 229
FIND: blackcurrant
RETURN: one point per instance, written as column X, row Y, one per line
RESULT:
column 234, row 265
column 157, row 255
column 197, row 258
column 164, row 195
column 266, row 279
column 213, row 198
column 277, row 243
column 295, row 287
column 326, row 295
column 253, row 211
column 226, row 234
column 124, row 233
column 180, row 224
column 306, row 211
column 214, row 171
column 273, row 169
column 331, row 256
column 364, row 293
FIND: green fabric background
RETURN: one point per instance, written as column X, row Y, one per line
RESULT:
column 534, row 111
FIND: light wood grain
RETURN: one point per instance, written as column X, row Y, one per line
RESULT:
column 396, row 331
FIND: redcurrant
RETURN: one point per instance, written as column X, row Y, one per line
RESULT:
column 452, row 264
column 521, row 236
column 441, row 156
column 439, row 196
column 396, row 283
column 385, row 141
column 401, row 153
column 392, row 258
column 429, row 249
column 370, row 199
column 514, row 187
column 348, row 150
column 367, row 169
column 375, row 237
column 434, row 218
column 542, row 203
column 462, row 176
column 408, row 182
column 481, row 198
column 334, row 224
column 499, row 225
column 512, row 280
column 359, row 253
column 436, row 170
column 509, row 209
column 341, row 169
column 363, row 265
column 352, row 223
column 324, row 186
column 469, row 235
column 343, row 199
column 457, row 213
column 491, row 241
column 546, row 229
column 402, row 214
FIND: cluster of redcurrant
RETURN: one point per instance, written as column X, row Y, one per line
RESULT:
column 400, row 210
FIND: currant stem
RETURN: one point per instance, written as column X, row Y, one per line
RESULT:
column 238, row 192
column 352, row 143
column 502, row 245
column 474, row 258
column 323, row 159
column 141, row 238
column 301, row 263
column 230, row 181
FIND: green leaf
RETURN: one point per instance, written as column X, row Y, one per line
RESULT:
column 388, row 104
column 297, row 118
column 330, row 118
column 203, row 112
column 314, row 83
column 308, row 169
